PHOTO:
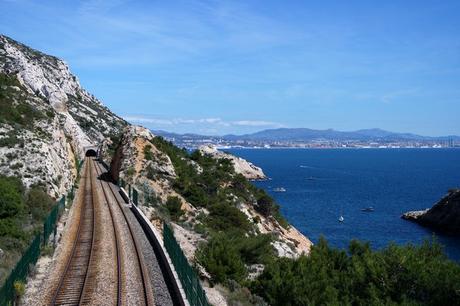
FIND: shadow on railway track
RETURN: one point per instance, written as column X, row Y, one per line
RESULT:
column 105, row 176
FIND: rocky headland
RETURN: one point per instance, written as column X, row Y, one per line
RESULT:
column 444, row 216
column 242, row 166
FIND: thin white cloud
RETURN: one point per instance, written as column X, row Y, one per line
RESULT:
column 136, row 119
column 389, row 97
column 201, row 121
column 256, row 123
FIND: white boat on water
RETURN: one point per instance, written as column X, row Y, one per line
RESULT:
column 279, row 189
column 341, row 219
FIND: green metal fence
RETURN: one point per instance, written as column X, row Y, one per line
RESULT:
column 49, row 225
column 135, row 197
column 121, row 183
column 190, row 282
column 20, row 272
column 30, row 256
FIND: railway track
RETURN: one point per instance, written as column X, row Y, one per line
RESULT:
column 117, row 241
column 147, row 293
column 75, row 283
column 75, row 280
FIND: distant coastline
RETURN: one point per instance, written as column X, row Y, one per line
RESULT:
column 302, row 138
column 337, row 148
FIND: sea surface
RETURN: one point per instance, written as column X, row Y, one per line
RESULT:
column 322, row 184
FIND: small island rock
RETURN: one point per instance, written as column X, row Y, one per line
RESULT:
column 444, row 216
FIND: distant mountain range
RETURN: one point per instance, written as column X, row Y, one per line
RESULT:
column 305, row 135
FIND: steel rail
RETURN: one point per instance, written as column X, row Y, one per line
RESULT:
column 117, row 244
column 72, row 282
column 148, row 298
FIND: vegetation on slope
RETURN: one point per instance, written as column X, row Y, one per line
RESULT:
column 18, row 112
column 15, row 110
column 396, row 275
column 216, row 183
column 21, row 215
column 233, row 244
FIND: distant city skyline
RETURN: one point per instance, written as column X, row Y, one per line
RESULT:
column 216, row 68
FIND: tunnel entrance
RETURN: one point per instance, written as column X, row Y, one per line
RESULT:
column 91, row 152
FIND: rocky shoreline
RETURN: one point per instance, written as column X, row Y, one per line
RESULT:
column 444, row 216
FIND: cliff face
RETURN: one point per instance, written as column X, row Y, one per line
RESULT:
column 46, row 119
column 443, row 216
column 152, row 175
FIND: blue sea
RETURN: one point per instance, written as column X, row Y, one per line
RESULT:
column 322, row 184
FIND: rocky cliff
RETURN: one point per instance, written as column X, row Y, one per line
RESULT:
column 444, row 216
column 46, row 119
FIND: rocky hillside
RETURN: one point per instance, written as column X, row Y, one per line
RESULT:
column 209, row 200
column 444, row 216
column 46, row 118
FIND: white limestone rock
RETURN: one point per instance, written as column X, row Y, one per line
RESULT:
column 50, row 78
column 65, row 119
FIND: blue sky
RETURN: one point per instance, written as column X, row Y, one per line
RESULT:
column 218, row 67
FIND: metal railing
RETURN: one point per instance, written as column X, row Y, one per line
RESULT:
column 30, row 256
column 190, row 282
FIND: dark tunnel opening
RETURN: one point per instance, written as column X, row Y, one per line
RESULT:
column 91, row 152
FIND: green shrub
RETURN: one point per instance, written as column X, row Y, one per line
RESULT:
column 11, row 203
column 11, row 156
column 114, row 143
column 16, row 166
column 9, row 227
column 396, row 275
column 174, row 204
column 151, row 173
column 148, row 155
column 130, row 172
column 223, row 217
column 222, row 260
column 255, row 249
column 38, row 203
column 10, row 141
column 47, row 250
column 19, row 288
column 267, row 207
column 226, row 254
